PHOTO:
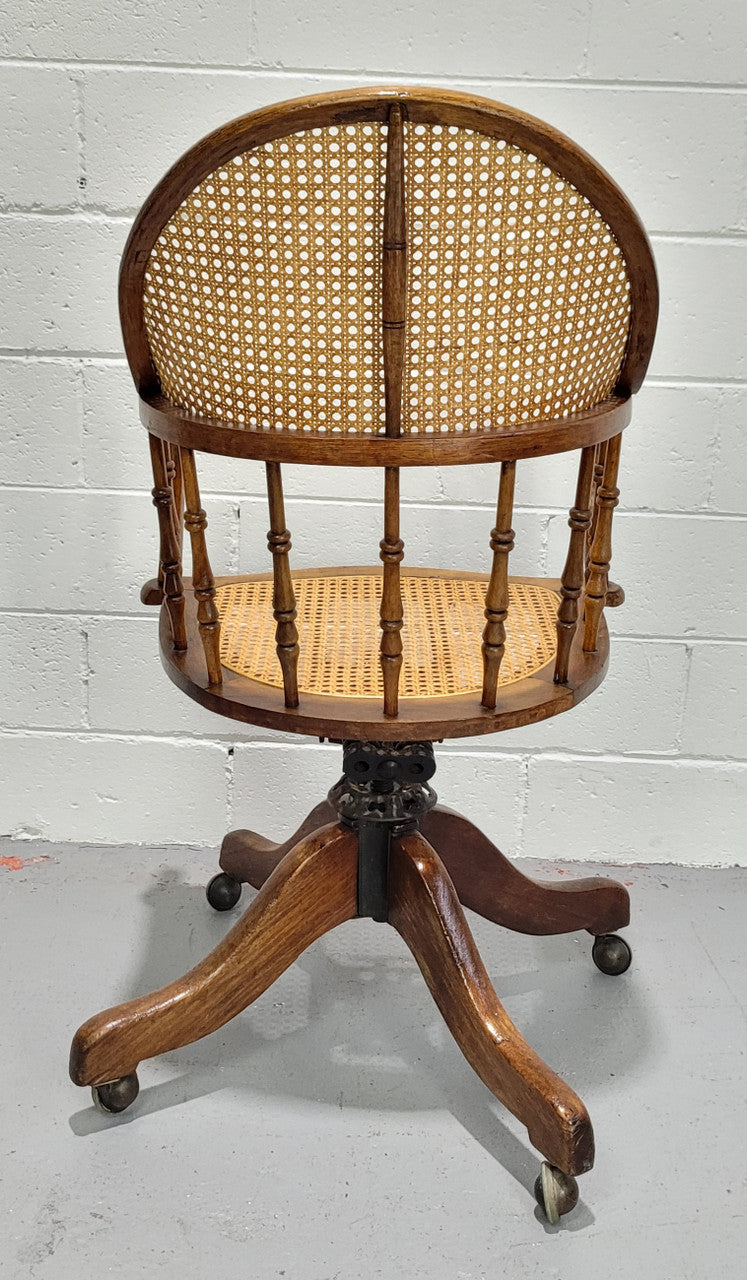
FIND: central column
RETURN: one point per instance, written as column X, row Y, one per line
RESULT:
column 383, row 792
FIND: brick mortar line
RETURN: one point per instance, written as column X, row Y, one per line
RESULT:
column 103, row 215
column 82, row 214
column 675, row 759
column 232, row 497
column 227, row 496
column 151, row 618
column 371, row 77
column 41, row 355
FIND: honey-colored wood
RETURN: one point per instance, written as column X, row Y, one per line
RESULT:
column 425, row 910
column 496, row 596
column 391, row 553
column 429, row 719
column 615, row 596
column 572, row 580
column 151, row 592
column 309, row 893
column 170, row 571
column 600, row 453
column 203, row 582
column 615, row 593
column 597, row 582
column 339, row 643
column 284, row 601
column 172, row 454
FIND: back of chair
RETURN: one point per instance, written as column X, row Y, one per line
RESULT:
column 396, row 277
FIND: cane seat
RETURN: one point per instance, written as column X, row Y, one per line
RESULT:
column 338, row 625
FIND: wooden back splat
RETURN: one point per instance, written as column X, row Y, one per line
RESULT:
column 496, row 596
column 572, row 581
column 283, row 598
column 170, row 569
column 203, row 583
column 394, row 302
column 601, row 548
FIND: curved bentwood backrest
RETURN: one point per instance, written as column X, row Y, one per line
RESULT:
column 389, row 277
column 253, row 281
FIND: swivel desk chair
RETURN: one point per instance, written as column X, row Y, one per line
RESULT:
column 385, row 278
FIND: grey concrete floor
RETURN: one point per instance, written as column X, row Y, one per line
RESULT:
column 333, row 1131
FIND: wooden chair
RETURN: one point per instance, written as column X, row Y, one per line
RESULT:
column 386, row 278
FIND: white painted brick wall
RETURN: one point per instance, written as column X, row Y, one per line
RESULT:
column 98, row 99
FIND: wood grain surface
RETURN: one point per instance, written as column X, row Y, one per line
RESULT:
column 310, row 892
column 425, row 910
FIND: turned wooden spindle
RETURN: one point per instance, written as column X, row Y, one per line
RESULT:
column 170, row 568
column 176, row 480
column 283, row 597
column 203, row 582
column 597, row 581
column 392, row 609
column 496, row 596
column 572, row 581
column 600, row 453
column 393, row 311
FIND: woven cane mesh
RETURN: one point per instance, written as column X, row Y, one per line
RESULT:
column 338, row 625
column 263, row 292
column 518, row 301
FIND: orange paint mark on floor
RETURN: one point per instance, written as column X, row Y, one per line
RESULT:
column 17, row 864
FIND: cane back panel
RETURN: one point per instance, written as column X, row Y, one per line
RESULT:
column 263, row 290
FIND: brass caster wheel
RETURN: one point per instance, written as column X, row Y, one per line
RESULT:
column 117, row 1095
column 611, row 954
column 556, row 1192
column 223, row 892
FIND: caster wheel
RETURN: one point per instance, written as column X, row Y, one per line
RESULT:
column 223, row 892
column 556, row 1192
column 611, row 954
column 117, row 1095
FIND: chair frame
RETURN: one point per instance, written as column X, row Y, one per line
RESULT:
column 379, row 845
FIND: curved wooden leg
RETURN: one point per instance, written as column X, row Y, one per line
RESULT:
column 312, row 891
column 250, row 858
column 425, row 910
column 487, row 883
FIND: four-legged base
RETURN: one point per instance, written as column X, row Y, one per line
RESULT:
column 379, row 847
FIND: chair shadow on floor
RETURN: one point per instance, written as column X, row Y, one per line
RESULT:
column 365, row 1032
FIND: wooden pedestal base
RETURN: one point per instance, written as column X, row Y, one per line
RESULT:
column 308, row 885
